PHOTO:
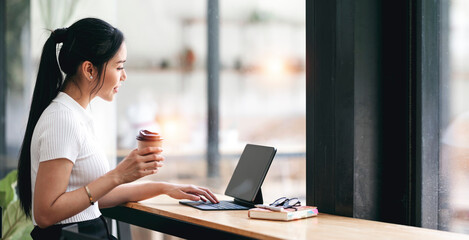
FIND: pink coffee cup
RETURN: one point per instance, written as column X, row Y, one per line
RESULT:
column 147, row 138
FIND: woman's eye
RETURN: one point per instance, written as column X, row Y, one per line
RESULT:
column 120, row 68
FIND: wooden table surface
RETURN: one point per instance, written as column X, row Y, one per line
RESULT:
column 323, row 226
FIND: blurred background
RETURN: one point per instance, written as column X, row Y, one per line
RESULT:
column 261, row 84
column 259, row 92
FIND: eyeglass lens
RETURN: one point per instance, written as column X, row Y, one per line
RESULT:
column 292, row 202
column 286, row 202
column 279, row 202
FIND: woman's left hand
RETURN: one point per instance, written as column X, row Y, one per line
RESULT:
column 191, row 192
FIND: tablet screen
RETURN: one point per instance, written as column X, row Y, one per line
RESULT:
column 250, row 172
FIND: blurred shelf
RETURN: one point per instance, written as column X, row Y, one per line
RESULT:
column 251, row 71
column 189, row 155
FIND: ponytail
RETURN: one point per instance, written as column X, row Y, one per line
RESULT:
column 48, row 83
column 88, row 39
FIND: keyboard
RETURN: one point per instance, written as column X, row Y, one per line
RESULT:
column 226, row 205
column 223, row 205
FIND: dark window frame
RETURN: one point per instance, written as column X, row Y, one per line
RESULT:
column 372, row 99
column 427, row 67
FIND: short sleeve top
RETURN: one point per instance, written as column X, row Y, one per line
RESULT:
column 66, row 130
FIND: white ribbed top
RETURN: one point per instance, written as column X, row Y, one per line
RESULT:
column 66, row 130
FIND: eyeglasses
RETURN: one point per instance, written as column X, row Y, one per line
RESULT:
column 286, row 203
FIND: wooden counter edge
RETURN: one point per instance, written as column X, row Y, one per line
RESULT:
column 201, row 222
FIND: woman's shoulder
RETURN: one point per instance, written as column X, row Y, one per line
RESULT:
column 56, row 115
column 57, row 123
column 57, row 111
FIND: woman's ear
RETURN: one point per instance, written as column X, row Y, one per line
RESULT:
column 89, row 71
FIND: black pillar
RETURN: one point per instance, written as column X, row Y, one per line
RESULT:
column 213, row 68
column 368, row 150
column 360, row 119
column 427, row 73
column 330, row 105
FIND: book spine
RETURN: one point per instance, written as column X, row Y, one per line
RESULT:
column 295, row 215
column 285, row 217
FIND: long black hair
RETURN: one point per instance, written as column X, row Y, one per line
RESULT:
column 88, row 39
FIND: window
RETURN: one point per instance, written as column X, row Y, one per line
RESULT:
column 18, row 90
column 261, row 83
column 261, row 87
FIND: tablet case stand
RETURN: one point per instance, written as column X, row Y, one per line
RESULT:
column 257, row 200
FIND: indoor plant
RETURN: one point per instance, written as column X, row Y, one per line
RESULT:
column 15, row 224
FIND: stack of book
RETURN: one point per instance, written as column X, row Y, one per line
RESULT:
column 285, row 214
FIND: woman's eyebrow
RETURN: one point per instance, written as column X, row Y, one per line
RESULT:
column 121, row 61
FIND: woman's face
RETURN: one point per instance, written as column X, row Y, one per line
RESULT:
column 114, row 74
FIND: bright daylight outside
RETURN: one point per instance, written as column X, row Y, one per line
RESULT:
column 454, row 116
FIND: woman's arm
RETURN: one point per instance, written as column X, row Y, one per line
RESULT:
column 134, row 192
column 52, row 204
column 51, row 201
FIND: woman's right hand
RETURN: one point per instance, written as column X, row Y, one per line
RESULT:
column 139, row 163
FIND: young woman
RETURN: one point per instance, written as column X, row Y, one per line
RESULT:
column 63, row 177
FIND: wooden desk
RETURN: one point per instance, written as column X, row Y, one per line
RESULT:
column 166, row 215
